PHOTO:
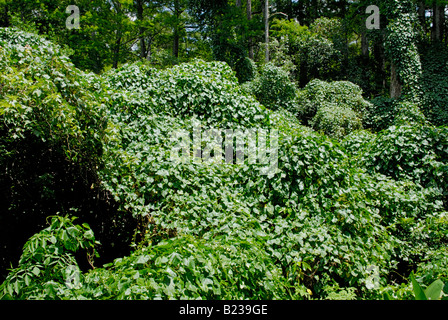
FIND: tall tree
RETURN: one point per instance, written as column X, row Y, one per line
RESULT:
column 177, row 11
column 438, row 13
column 395, row 84
column 141, row 32
column 4, row 14
column 266, row 29
column 401, row 48
column 422, row 14
column 249, row 18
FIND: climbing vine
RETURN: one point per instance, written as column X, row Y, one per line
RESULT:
column 400, row 47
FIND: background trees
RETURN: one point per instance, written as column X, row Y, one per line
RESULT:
column 335, row 46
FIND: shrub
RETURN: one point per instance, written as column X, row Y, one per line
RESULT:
column 207, row 90
column 336, row 121
column 273, row 88
column 434, row 264
column 416, row 153
column 408, row 113
column 434, row 83
column 314, row 227
column 53, row 132
column 320, row 198
column 385, row 112
column 189, row 268
column 46, row 258
column 318, row 93
column 335, row 108
column 181, row 268
column 45, row 98
column 355, row 142
column 246, row 70
column 380, row 114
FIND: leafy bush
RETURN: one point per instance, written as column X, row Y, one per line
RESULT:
column 436, row 290
column 47, row 257
column 435, row 263
column 434, row 83
column 336, row 121
column 385, row 112
column 53, row 129
column 46, row 98
column 189, row 268
column 246, row 70
column 408, row 113
column 318, row 93
column 313, row 54
column 208, row 90
column 336, row 108
column 273, row 88
column 380, row 114
column 415, row 153
column 331, row 199
column 355, row 142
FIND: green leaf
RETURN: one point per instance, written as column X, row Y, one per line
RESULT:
column 418, row 291
column 434, row 290
column 386, row 296
column 142, row 259
column 27, row 280
column 16, row 287
column 53, row 239
column 89, row 234
column 35, row 271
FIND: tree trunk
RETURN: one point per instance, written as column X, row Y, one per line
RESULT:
column 4, row 18
column 421, row 15
column 380, row 63
column 139, row 9
column 149, row 50
column 364, row 46
column 437, row 15
column 238, row 3
column 442, row 21
column 395, row 85
column 266, row 29
column 117, row 45
column 176, row 29
column 176, row 42
column 116, row 55
column 249, row 18
column 303, row 74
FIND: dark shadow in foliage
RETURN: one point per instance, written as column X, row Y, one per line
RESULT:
column 434, row 83
column 37, row 181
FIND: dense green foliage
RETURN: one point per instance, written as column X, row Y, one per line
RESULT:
column 335, row 108
column 105, row 197
column 273, row 88
column 47, row 258
column 434, row 83
column 336, row 219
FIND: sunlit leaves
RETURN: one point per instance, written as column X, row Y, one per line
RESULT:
column 211, row 230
